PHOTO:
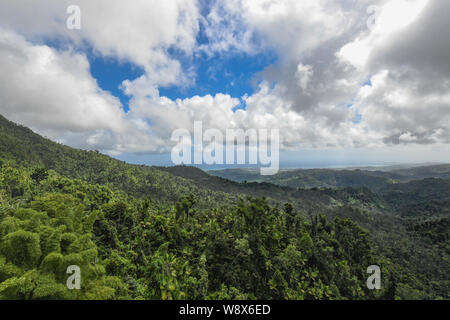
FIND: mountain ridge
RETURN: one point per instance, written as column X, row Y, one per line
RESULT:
column 135, row 214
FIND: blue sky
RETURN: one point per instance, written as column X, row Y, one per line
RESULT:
column 235, row 74
column 110, row 74
column 230, row 72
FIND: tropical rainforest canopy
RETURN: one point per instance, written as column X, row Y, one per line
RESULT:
column 140, row 232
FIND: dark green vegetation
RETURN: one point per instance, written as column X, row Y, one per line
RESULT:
column 142, row 232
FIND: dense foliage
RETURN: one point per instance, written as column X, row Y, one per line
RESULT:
column 142, row 232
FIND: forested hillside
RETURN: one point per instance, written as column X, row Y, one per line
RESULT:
column 140, row 232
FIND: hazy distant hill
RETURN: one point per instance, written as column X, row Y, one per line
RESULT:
column 441, row 171
column 24, row 147
column 329, row 178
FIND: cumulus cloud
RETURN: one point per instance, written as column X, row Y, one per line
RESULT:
column 408, row 100
column 328, row 51
column 52, row 91
column 346, row 76
column 140, row 33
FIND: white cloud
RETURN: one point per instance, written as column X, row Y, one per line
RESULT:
column 395, row 15
column 399, row 113
column 314, row 93
column 53, row 91
column 140, row 33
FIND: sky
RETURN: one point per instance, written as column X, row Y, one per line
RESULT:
column 346, row 82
